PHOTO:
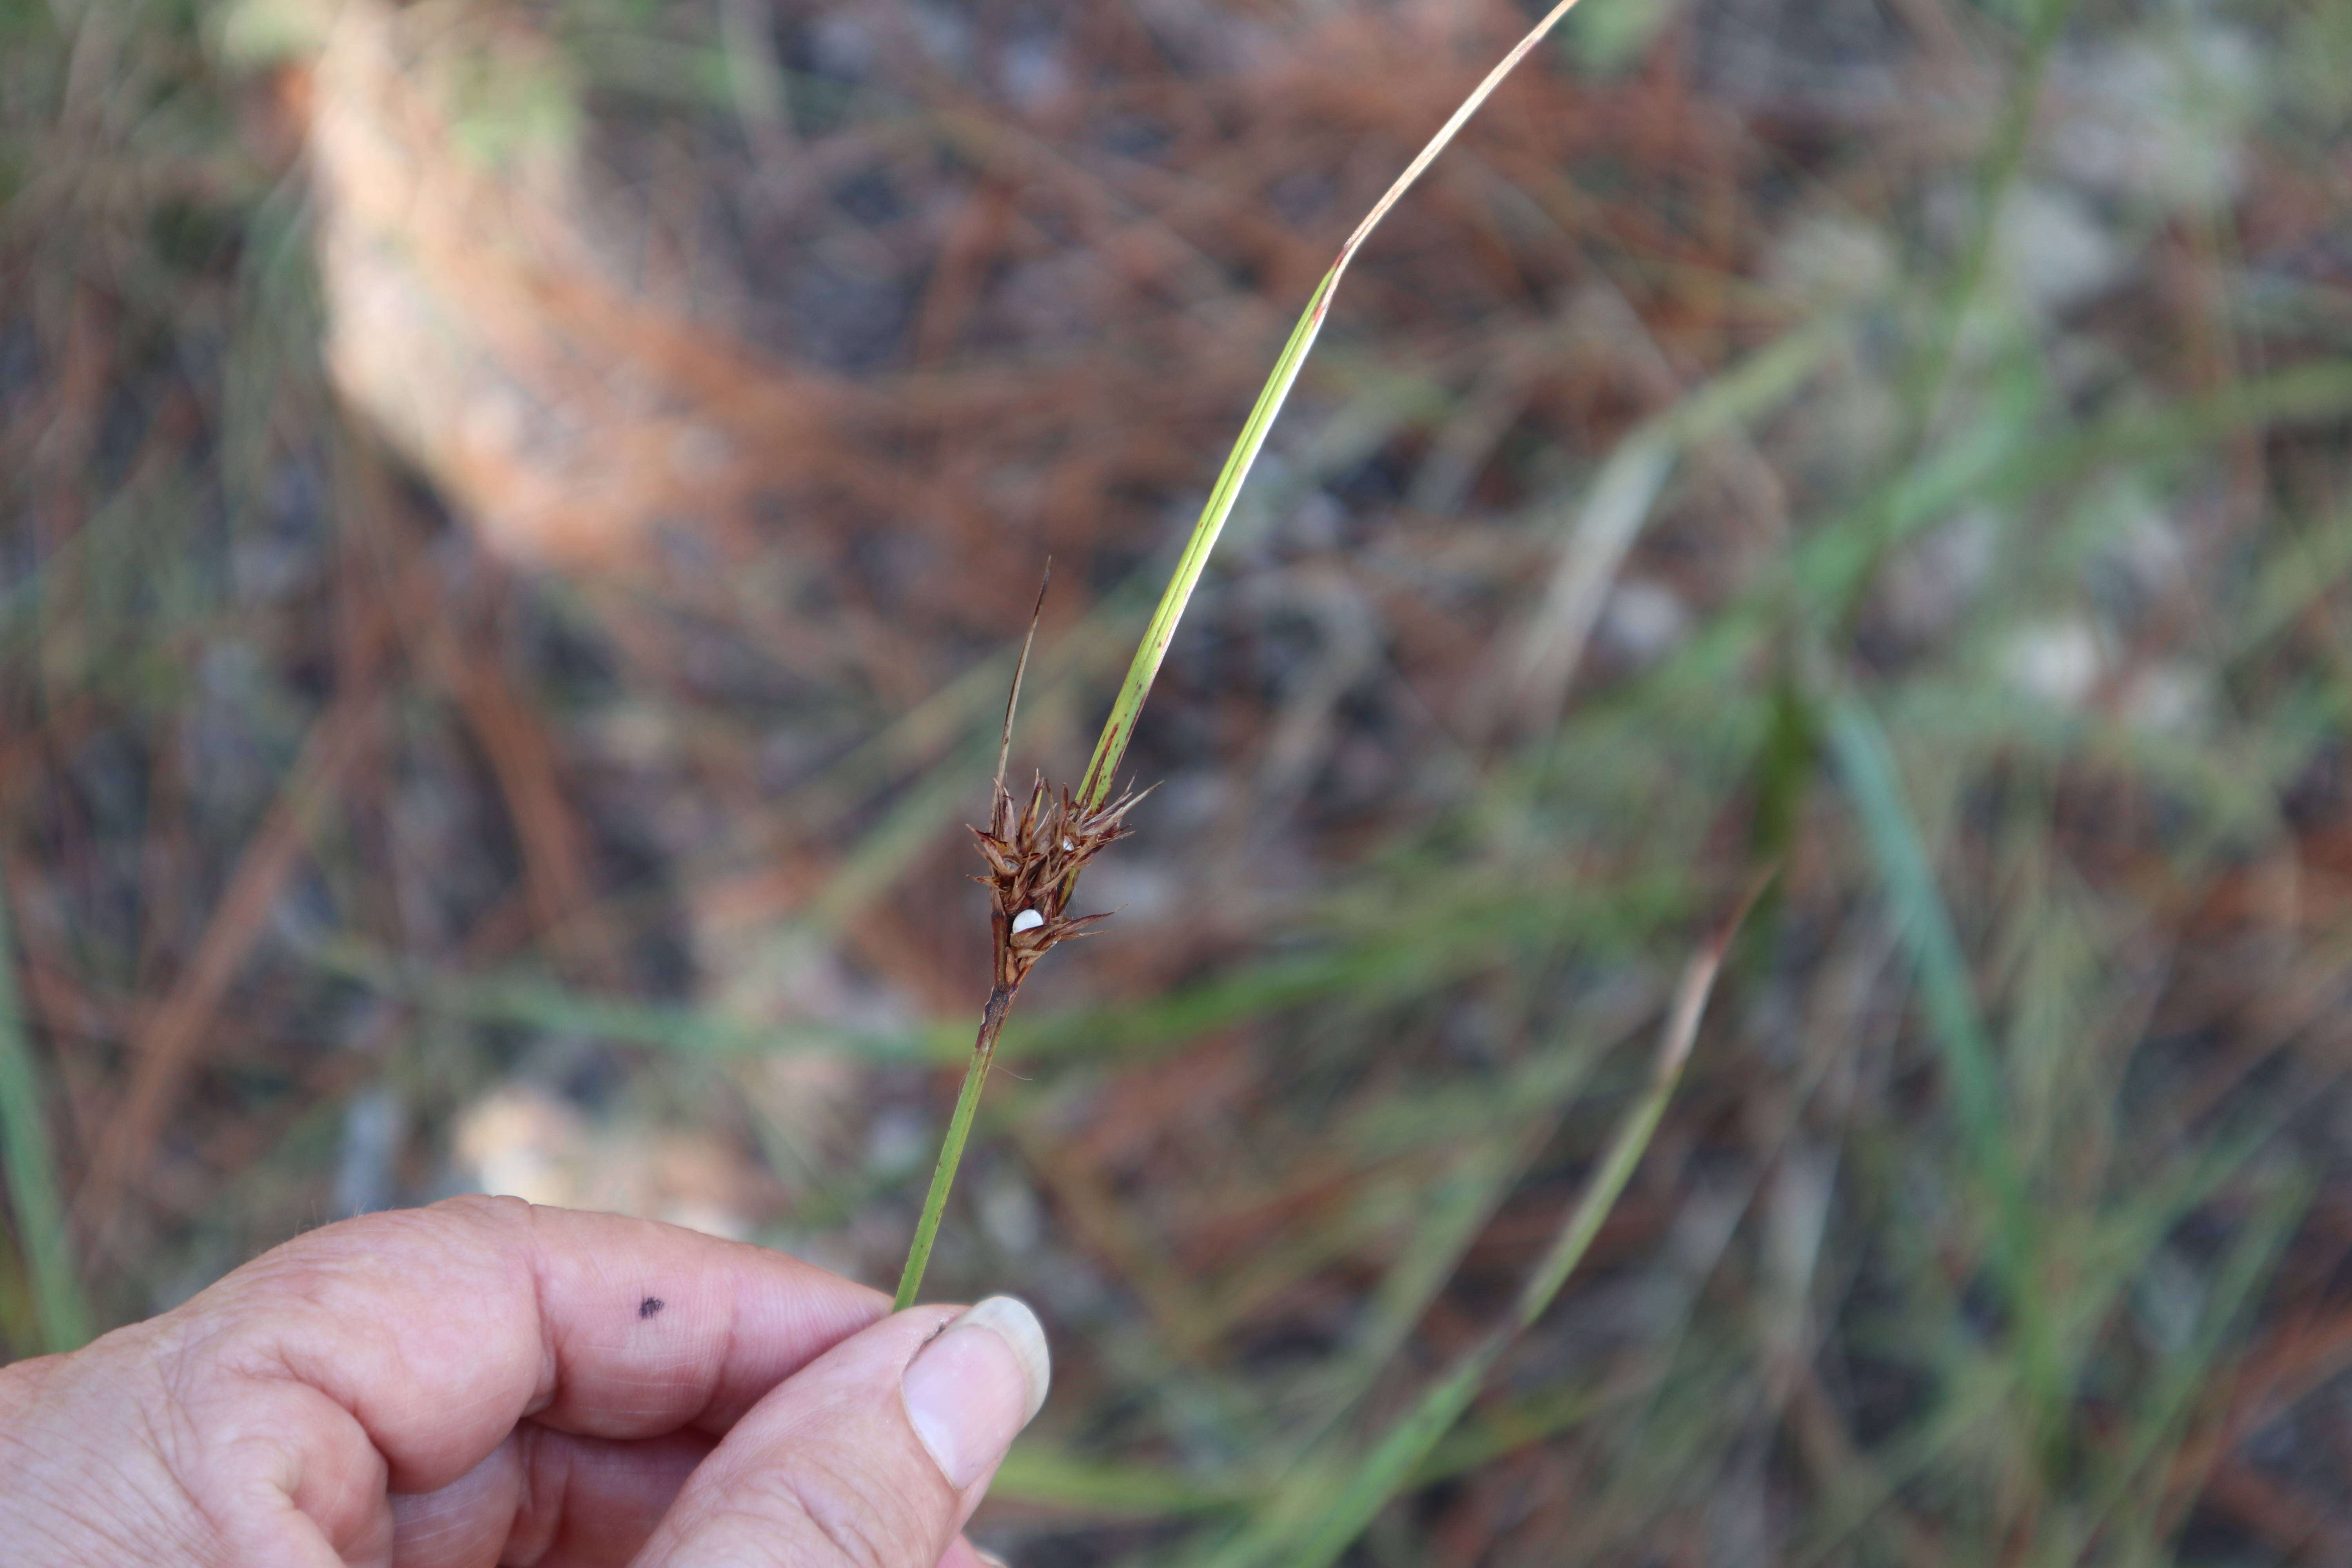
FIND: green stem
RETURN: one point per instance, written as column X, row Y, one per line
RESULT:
column 935, row 1202
column 36, row 1211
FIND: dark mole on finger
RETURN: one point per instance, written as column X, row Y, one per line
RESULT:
column 649, row 1306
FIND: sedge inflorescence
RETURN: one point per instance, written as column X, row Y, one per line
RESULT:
column 1034, row 853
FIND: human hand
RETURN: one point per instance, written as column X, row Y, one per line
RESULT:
column 484, row 1382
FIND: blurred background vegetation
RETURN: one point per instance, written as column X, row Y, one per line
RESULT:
column 516, row 516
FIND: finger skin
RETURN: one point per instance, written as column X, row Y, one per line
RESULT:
column 826, row 1472
column 576, row 1503
column 266, row 1421
column 961, row 1553
column 76, row 1490
column 438, row 1329
column 546, row 1499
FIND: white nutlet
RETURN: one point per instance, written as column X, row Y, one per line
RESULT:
column 1027, row 919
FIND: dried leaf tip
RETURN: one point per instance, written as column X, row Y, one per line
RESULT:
column 1034, row 853
column 1021, row 668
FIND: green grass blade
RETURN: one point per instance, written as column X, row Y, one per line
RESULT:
column 1110, row 750
column 1954, row 1021
column 2187, row 1375
column 34, row 1206
column 1401, row 1453
column 1093, row 1486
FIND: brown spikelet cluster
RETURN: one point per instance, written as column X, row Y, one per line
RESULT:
column 1034, row 855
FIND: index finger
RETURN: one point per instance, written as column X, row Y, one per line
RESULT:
column 438, row 1330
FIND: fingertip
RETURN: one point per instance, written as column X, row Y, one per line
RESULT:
column 970, row 1390
column 1011, row 1318
column 873, row 1455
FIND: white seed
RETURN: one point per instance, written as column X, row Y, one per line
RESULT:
column 1027, row 919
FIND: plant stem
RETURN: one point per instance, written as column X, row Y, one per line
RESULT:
column 1095, row 791
column 935, row 1202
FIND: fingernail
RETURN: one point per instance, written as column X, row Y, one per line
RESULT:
column 989, row 1558
column 971, row 1390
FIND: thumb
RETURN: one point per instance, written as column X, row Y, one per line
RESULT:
column 870, row 1457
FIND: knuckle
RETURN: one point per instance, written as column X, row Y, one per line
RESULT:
column 497, row 1211
column 315, row 1270
column 852, row 1527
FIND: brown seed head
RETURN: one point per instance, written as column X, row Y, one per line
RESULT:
column 1035, row 854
